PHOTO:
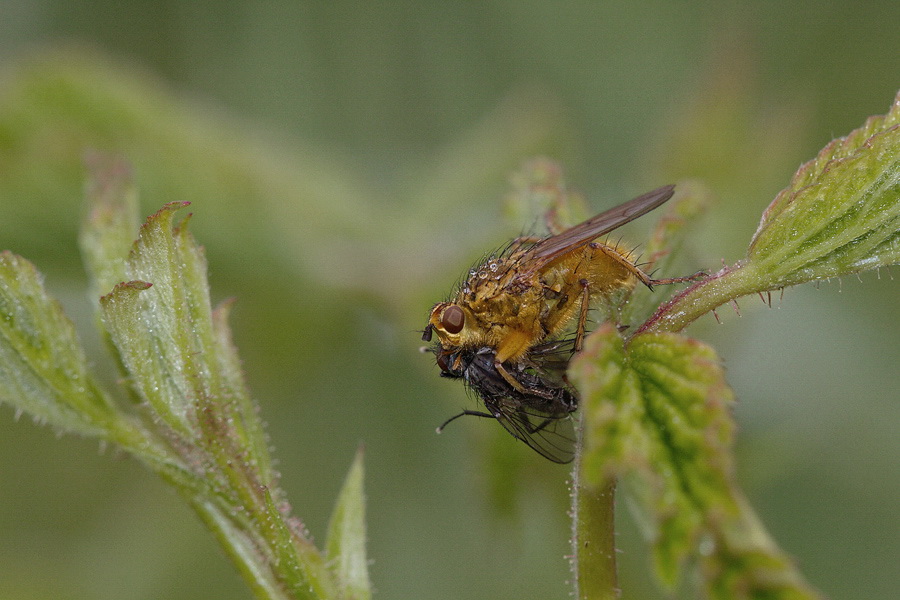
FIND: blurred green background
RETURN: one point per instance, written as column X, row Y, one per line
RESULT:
column 346, row 162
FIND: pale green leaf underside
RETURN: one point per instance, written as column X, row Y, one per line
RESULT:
column 657, row 415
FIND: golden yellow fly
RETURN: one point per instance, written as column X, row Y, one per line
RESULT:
column 495, row 333
column 531, row 292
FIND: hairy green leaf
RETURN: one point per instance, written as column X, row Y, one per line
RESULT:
column 813, row 172
column 161, row 323
column 656, row 414
column 180, row 360
column 245, row 422
column 43, row 370
column 299, row 565
column 345, row 549
column 841, row 213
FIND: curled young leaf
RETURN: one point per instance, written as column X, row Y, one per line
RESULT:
column 539, row 188
column 149, row 322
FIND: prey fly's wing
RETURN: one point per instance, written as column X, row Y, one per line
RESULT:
column 552, row 435
column 547, row 250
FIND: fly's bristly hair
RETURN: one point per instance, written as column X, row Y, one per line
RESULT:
column 500, row 258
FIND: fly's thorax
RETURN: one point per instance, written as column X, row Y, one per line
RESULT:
column 488, row 278
column 484, row 296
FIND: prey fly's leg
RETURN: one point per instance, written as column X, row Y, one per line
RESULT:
column 471, row 413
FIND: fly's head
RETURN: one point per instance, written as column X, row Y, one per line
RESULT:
column 454, row 325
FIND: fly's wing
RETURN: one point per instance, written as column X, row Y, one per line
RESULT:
column 548, row 249
column 550, row 435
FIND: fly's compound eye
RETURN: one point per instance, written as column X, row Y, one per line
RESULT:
column 449, row 364
column 453, row 319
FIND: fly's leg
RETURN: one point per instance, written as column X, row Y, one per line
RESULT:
column 514, row 345
column 644, row 278
column 582, row 314
column 670, row 280
column 532, row 429
column 624, row 259
column 498, row 365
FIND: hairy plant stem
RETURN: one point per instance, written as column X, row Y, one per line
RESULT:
column 704, row 296
column 594, row 537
